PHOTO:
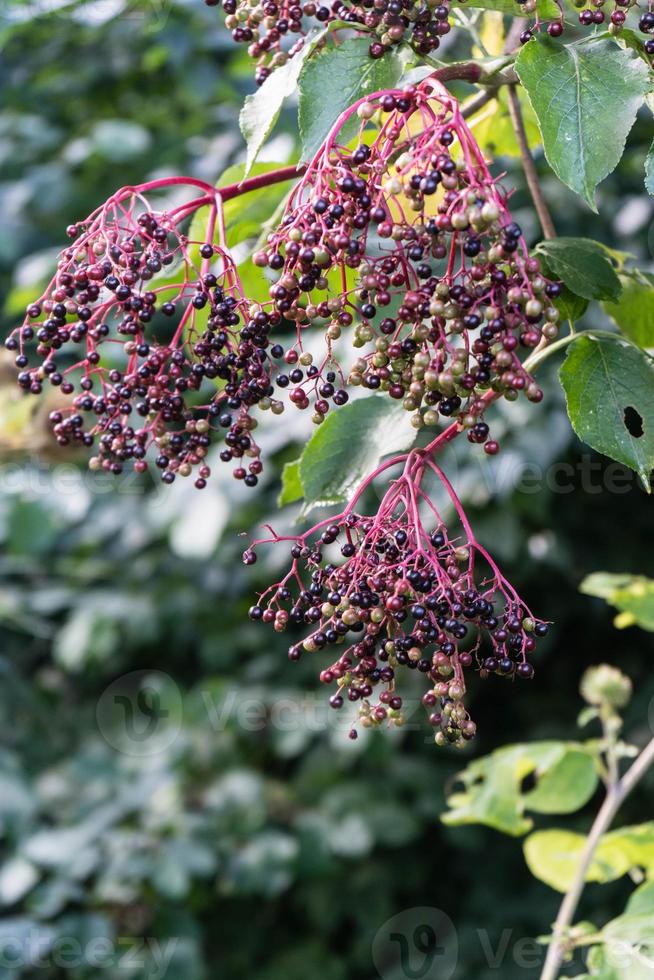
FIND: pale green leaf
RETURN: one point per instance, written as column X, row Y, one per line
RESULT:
column 553, row 855
column 292, row 488
column 633, row 595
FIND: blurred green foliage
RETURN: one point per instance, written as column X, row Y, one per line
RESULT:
column 256, row 841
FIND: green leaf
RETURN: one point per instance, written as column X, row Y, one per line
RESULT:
column 553, row 855
column 493, row 794
column 585, row 96
column 292, row 488
column 609, row 388
column 570, row 306
column 261, row 110
column 633, row 595
column 586, row 267
column 335, row 79
column 634, row 310
column 649, row 170
column 348, row 445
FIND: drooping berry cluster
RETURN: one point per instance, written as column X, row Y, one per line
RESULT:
column 149, row 335
column 274, row 30
column 407, row 244
column 398, row 590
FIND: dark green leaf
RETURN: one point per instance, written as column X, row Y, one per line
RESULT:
column 570, row 306
column 586, row 96
column 609, row 388
column 585, row 266
column 334, row 80
column 348, row 446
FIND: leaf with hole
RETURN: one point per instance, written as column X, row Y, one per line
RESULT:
column 609, row 386
column 561, row 777
column 585, row 96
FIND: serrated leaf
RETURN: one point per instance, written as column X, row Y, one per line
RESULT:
column 565, row 778
column 348, row 446
column 633, row 595
column 334, row 80
column 261, row 110
column 586, row 267
column 292, row 488
column 585, row 96
column 634, row 310
column 609, row 389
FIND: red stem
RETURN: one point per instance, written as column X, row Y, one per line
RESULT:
column 468, row 72
column 261, row 180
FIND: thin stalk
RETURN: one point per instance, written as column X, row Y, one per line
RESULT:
column 614, row 799
column 528, row 165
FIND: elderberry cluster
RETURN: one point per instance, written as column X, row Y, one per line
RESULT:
column 269, row 27
column 148, row 368
column 445, row 295
column 593, row 13
column 382, row 594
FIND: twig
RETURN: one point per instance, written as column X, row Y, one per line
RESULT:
column 612, row 803
column 528, row 165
